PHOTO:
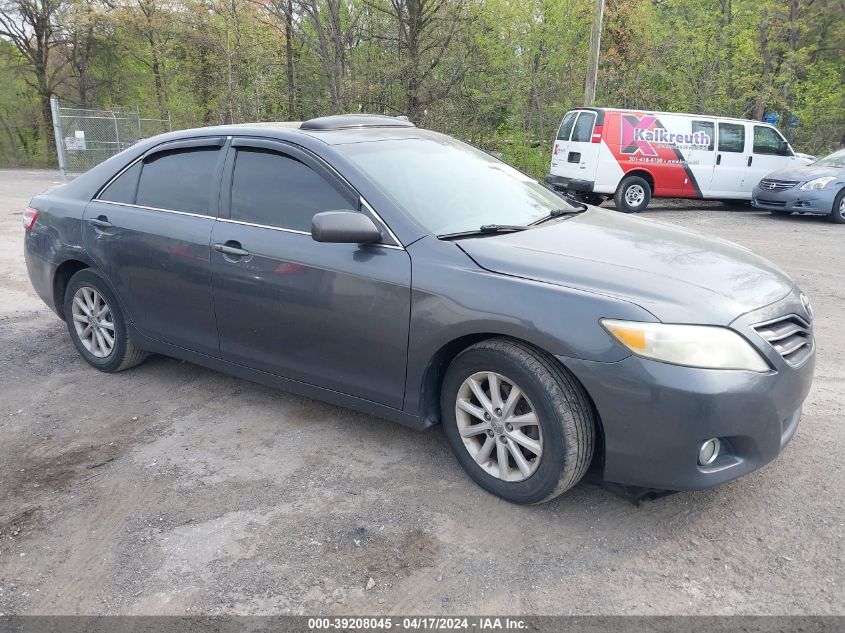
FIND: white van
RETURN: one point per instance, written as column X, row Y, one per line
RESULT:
column 632, row 156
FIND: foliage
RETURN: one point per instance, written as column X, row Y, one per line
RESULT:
column 498, row 73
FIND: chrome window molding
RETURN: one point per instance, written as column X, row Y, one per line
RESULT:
column 206, row 216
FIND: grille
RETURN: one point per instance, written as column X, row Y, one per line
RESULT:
column 791, row 336
column 767, row 184
column 772, row 203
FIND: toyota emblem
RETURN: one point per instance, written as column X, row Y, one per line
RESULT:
column 807, row 307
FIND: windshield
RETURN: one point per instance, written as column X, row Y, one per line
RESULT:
column 450, row 187
column 837, row 159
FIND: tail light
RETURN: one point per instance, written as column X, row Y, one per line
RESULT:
column 30, row 215
column 597, row 130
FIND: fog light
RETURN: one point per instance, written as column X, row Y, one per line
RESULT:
column 709, row 451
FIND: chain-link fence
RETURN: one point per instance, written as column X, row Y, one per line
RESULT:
column 86, row 137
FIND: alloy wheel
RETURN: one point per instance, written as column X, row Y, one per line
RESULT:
column 92, row 319
column 499, row 426
column 842, row 208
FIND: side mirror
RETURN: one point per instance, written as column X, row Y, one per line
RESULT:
column 783, row 149
column 344, row 227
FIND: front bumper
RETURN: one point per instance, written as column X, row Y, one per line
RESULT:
column 571, row 184
column 655, row 416
column 819, row 201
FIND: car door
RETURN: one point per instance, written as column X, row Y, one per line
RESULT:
column 149, row 230
column 331, row 315
column 580, row 159
column 770, row 152
column 561, row 145
column 700, row 158
column 731, row 162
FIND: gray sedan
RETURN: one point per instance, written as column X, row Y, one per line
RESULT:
column 402, row 273
column 818, row 189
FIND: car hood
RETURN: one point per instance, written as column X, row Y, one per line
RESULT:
column 805, row 173
column 676, row 274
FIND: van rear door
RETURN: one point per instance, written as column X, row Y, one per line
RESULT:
column 580, row 161
column 732, row 153
column 561, row 145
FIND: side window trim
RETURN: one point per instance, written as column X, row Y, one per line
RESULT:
column 214, row 207
column 310, row 160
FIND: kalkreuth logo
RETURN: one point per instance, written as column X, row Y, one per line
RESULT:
column 640, row 134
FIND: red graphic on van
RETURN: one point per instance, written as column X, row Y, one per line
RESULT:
column 639, row 134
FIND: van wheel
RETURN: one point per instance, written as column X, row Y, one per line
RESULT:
column 96, row 324
column 633, row 195
column 518, row 422
column 837, row 213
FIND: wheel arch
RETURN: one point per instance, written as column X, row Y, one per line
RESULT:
column 439, row 362
column 642, row 173
column 64, row 271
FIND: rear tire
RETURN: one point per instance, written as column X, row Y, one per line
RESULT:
column 550, row 413
column 633, row 195
column 96, row 324
column 837, row 213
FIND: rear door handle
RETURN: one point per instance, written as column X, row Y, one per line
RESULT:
column 718, row 159
column 749, row 160
column 101, row 222
column 232, row 248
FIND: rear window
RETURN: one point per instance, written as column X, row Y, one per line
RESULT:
column 731, row 137
column 178, row 180
column 583, row 131
column 566, row 126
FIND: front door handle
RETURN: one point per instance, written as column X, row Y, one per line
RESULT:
column 749, row 160
column 101, row 222
column 718, row 159
column 232, row 248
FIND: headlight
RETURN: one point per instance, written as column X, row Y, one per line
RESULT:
column 818, row 183
column 705, row 346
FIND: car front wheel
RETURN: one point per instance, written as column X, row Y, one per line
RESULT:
column 519, row 424
column 96, row 324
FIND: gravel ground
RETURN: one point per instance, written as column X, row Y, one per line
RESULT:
column 172, row 489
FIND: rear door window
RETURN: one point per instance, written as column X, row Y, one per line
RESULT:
column 122, row 189
column 766, row 140
column 583, row 130
column 709, row 129
column 731, row 137
column 179, row 180
column 566, row 126
column 274, row 189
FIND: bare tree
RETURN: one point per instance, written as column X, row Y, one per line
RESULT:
column 31, row 25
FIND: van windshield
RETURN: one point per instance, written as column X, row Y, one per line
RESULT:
column 837, row 159
column 450, row 187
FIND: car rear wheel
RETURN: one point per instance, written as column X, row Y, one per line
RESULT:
column 633, row 195
column 96, row 324
column 837, row 214
column 519, row 424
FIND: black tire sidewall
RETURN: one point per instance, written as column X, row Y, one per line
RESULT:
column 544, row 480
column 627, row 182
column 835, row 216
column 90, row 278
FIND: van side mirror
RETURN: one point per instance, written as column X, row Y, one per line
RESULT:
column 783, row 149
column 344, row 227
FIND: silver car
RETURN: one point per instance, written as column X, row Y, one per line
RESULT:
column 818, row 188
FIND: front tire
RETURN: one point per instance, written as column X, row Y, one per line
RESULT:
column 633, row 195
column 96, row 324
column 837, row 213
column 519, row 424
